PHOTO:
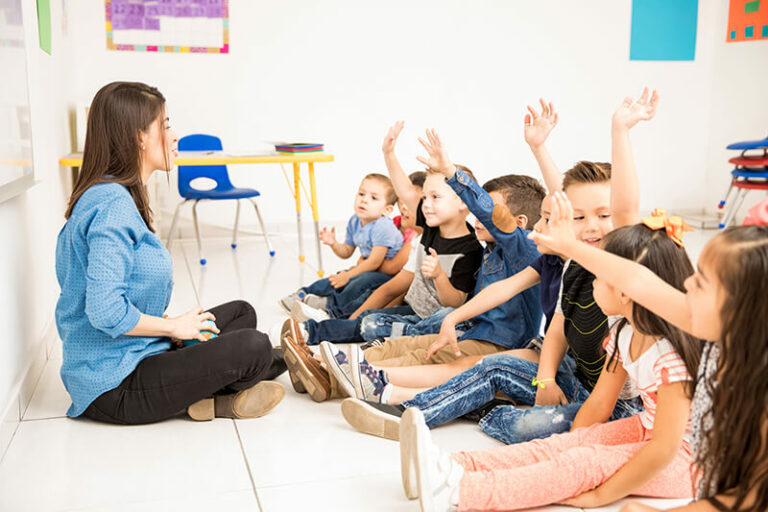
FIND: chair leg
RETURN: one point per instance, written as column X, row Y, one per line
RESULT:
column 169, row 241
column 237, row 220
column 733, row 209
column 197, row 233
column 263, row 228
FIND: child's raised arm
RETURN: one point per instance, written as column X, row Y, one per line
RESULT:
column 403, row 187
column 633, row 279
column 625, row 196
column 537, row 128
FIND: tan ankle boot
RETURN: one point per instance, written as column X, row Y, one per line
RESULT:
column 253, row 402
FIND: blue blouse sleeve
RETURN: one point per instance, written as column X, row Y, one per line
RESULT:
column 111, row 236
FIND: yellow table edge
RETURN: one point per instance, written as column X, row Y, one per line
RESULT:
column 76, row 159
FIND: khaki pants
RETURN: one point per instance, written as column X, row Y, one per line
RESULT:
column 412, row 351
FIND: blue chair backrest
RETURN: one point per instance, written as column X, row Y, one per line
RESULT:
column 187, row 173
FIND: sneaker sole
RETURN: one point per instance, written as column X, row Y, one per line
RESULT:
column 407, row 455
column 297, row 313
column 285, row 308
column 297, row 367
column 368, row 420
column 333, row 367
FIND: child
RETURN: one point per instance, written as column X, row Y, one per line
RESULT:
column 392, row 292
column 503, row 207
column 723, row 301
column 372, row 231
column 596, row 463
column 516, row 374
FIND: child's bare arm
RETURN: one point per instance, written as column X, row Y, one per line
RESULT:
column 403, row 187
column 396, row 263
column 387, row 292
column 634, row 279
column 488, row 298
column 552, row 353
column 601, row 402
column 328, row 237
column 625, row 196
column 369, row 264
column 537, row 128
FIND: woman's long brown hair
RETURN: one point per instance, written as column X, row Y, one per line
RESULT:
column 735, row 458
column 120, row 111
column 655, row 250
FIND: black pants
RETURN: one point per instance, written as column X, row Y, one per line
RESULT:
column 164, row 385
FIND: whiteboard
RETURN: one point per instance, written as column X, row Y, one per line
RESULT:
column 16, row 166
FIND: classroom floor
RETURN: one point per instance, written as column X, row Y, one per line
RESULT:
column 302, row 455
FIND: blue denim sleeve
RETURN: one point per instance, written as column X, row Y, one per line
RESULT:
column 496, row 219
column 111, row 239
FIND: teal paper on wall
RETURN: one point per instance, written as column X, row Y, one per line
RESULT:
column 663, row 29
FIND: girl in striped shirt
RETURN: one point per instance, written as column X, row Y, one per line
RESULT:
column 597, row 462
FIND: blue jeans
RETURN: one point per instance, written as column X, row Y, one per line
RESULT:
column 344, row 301
column 384, row 324
column 512, row 376
column 376, row 323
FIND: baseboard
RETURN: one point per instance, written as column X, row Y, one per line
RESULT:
column 21, row 393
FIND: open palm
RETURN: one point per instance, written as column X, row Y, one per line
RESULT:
column 438, row 159
column 538, row 126
column 631, row 112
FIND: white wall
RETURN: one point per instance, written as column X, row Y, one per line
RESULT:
column 341, row 71
column 30, row 221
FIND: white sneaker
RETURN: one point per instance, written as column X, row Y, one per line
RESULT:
column 438, row 476
column 302, row 312
column 288, row 301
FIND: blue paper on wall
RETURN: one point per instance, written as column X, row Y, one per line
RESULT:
column 663, row 29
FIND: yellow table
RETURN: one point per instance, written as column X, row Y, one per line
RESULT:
column 75, row 160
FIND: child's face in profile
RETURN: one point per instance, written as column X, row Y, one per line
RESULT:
column 704, row 295
column 591, row 211
column 371, row 201
column 441, row 204
column 542, row 225
column 481, row 233
column 407, row 217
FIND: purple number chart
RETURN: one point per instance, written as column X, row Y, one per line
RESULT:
column 181, row 26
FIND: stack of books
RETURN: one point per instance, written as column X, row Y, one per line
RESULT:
column 298, row 147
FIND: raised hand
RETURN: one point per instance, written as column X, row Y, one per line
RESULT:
column 430, row 267
column 339, row 280
column 328, row 236
column 446, row 336
column 438, row 154
column 631, row 112
column 560, row 227
column 388, row 146
column 537, row 127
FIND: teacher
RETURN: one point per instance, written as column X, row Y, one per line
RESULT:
column 124, row 361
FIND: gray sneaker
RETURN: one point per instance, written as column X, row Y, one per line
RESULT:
column 287, row 301
column 315, row 301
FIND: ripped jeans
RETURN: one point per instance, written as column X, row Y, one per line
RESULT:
column 512, row 376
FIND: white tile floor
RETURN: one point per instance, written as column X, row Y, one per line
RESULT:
column 302, row 455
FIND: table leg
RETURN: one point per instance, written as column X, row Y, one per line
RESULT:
column 297, row 196
column 316, row 218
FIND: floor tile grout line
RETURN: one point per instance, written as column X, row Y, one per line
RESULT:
column 247, row 466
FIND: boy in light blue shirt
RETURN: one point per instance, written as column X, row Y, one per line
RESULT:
column 370, row 230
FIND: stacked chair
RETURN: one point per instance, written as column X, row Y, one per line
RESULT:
column 750, row 173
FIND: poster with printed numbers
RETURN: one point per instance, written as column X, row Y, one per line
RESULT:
column 182, row 26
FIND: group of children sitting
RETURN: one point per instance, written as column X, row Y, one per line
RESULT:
column 621, row 396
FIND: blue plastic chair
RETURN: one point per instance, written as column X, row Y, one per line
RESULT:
column 224, row 189
column 749, row 144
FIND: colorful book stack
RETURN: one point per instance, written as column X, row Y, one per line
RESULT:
column 298, row 147
column 750, row 173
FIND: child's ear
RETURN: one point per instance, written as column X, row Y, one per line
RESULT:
column 388, row 210
column 624, row 299
column 522, row 221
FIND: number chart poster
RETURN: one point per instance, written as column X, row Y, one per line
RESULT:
column 181, row 26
